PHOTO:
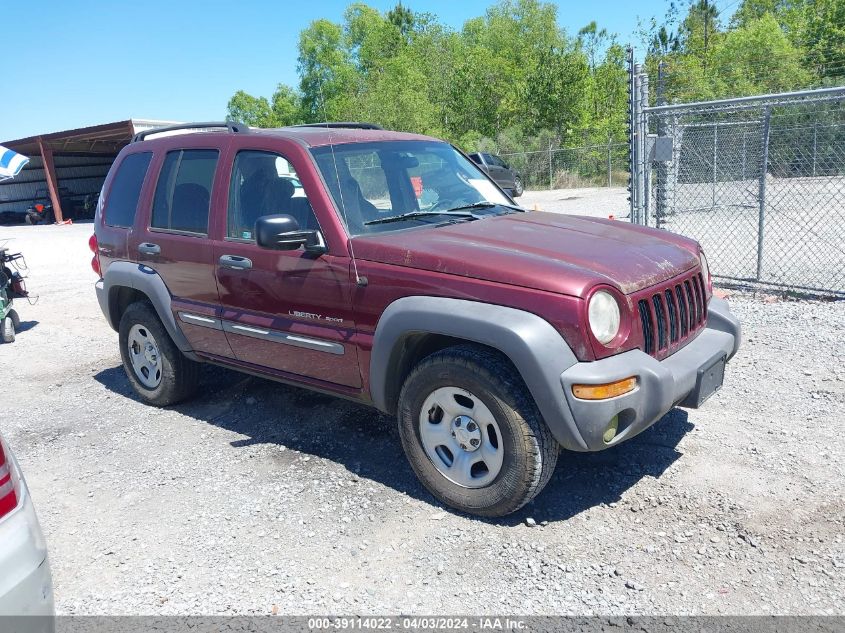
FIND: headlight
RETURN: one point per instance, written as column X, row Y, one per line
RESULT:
column 705, row 272
column 603, row 313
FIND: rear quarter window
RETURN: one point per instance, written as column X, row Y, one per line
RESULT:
column 122, row 202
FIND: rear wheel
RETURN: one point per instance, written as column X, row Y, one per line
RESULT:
column 472, row 432
column 158, row 372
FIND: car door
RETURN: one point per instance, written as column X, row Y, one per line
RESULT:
column 286, row 311
column 173, row 240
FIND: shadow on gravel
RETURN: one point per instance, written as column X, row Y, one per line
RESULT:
column 24, row 326
column 366, row 442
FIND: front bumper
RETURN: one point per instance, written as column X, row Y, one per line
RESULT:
column 661, row 384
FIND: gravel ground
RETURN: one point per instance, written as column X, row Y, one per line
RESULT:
column 598, row 202
column 257, row 498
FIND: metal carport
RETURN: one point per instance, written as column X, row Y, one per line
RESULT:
column 68, row 164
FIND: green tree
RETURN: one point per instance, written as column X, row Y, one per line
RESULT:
column 824, row 36
column 403, row 19
column 286, row 106
column 758, row 58
column 512, row 78
column 252, row 111
column 328, row 79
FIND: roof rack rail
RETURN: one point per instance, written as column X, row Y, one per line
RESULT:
column 351, row 125
column 233, row 126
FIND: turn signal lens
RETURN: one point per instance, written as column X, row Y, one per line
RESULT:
column 603, row 392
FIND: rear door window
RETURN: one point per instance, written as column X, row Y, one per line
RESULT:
column 122, row 203
column 183, row 192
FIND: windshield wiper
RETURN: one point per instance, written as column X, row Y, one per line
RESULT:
column 486, row 205
column 475, row 205
column 463, row 211
column 422, row 214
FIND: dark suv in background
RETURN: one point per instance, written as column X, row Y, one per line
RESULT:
column 500, row 172
column 387, row 268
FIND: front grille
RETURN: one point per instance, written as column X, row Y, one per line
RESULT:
column 672, row 314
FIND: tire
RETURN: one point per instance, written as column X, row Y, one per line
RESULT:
column 516, row 466
column 170, row 377
column 7, row 329
column 518, row 187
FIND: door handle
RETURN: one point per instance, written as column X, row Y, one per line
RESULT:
column 235, row 262
column 147, row 248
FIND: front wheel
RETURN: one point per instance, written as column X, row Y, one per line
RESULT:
column 518, row 187
column 158, row 372
column 472, row 432
column 7, row 329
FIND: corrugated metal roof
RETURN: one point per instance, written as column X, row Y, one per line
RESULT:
column 82, row 158
column 107, row 138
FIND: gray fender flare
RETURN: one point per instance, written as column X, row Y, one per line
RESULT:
column 145, row 280
column 720, row 317
column 532, row 344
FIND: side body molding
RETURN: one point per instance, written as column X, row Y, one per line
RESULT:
column 142, row 279
column 535, row 348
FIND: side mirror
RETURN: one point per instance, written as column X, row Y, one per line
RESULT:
column 282, row 233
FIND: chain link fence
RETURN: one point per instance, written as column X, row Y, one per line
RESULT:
column 759, row 181
column 604, row 165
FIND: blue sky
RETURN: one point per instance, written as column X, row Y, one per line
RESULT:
column 71, row 63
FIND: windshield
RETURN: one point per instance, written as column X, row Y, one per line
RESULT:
column 374, row 182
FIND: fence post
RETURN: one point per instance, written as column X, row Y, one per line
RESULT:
column 633, row 102
column 645, row 174
column 715, row 158
column 761, row 220
column 815, row 144
column 551, row 177
column 662, row 170
column 609, row 161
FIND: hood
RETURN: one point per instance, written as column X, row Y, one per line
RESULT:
column 546, row 251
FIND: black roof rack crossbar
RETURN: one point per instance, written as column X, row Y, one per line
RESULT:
column 351, row 125
column 233, row 126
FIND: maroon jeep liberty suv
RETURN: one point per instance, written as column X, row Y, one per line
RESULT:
column 388, row 268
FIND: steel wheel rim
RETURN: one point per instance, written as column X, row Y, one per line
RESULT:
column 144, row 356
column 447, row 436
